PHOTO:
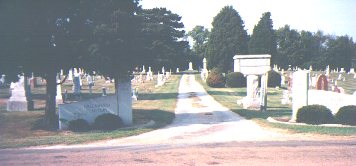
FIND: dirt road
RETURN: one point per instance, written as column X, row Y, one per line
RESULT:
column 203, row 133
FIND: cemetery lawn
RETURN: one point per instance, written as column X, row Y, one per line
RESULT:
column 228, row 98
column 23, row 129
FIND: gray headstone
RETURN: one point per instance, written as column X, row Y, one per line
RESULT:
column 299, row 91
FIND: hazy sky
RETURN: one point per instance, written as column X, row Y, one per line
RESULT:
column 337, row 17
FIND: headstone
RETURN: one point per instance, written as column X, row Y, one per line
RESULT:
column 90, row 81
column 134, row 94
column 310, row 68
column 76, row 84
column 143, row 69
column 17, row 101
column 190, row 66
column 87, row 110
column 177, row 71
column 352, row 71
column 322, row 83
column 59, row 97
column 313, row 81
column 342, row 70
column 283, row 80
column 163, row 70
column 70, row 75
column 339, row 77
column 327, row 71
column 299, row 91
column 104, row 91
column 160, row 80
column 285, row 97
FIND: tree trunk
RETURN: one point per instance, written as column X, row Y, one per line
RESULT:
column 50, row 119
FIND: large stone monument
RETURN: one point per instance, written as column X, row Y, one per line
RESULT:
column 18, row 100
column 299, row 91
column 252, row 66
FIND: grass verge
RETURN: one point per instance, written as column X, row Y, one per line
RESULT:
column 22, row 129
column 228, row 97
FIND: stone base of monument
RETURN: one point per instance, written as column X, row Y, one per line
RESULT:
column 251, row 103
column 17, row 105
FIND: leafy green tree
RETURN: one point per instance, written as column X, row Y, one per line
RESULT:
column 227, row 38
column 200, row 36
column 340, row 51
column 288, row 46
column 263, row 38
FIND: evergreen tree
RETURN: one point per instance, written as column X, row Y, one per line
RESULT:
column 161, row 38
column 263, row 38
column 288, row 41
column 227, row 39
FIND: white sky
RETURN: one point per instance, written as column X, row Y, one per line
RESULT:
column 336, row 17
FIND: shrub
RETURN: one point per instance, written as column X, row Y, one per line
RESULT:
column 274, row 79
column 346, row 115
column 108, row 122
column 235, row 80
column 215, row 79
column 314, row 114
column 78, row 125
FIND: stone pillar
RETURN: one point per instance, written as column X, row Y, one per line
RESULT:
column 251, row 101
column 252, row 85
column 299, row 91
column 59, row 98
column 18, row 101
column 125, row 100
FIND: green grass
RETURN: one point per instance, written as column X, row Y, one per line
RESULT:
column 228, row 97
column 23, row 129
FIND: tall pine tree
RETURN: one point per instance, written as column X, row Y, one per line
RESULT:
column 227, row 38
column 263, row 38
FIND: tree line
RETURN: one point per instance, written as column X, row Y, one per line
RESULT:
column 228, row 37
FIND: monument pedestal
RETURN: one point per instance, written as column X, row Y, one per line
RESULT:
column 17, row 105
column 251, row 103
column 18, row 100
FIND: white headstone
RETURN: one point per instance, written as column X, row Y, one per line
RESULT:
column 299, row 91
column 59, row 98
column 17, row 101
column 70, row 75
column 143, row 69
column 190, row 66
